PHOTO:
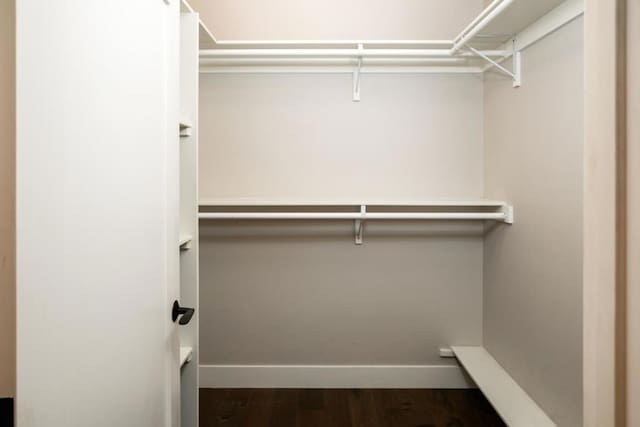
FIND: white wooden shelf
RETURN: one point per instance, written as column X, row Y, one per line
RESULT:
column 186, row 353
column 420, row 203
column 432, row 210
column 502, row 30
column 438, row 210
column 185, row 242
column 511, row 402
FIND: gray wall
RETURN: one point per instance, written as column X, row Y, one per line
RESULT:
column 533, row 272
column 303, row 293
column 301, row 137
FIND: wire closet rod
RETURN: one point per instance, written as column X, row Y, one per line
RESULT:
column 361, row 53
column 497, row 216
column 501, row 212
column 333, row 42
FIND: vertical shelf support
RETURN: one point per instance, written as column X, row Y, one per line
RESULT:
column 356, row 75
column 359, row 224
column 517, row 66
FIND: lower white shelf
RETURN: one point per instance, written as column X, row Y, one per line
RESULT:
column 186, row 353
column 512, row 403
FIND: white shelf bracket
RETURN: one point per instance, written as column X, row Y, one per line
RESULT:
column 185, row 129
column 356, row 75
column 515, row 74
column 517, row 66
column 359, row 224
column 508, row 214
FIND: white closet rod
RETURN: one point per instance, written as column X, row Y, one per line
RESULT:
column 354, row 53
column 272, row 43
column 329, row 61
column 505, row 213
column 496, row 216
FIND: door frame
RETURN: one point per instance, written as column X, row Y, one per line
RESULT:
column 606, row 220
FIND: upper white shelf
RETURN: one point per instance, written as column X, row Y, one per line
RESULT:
column 502, row 30
column 297, row 203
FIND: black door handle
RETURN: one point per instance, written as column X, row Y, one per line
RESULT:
column 185, row 312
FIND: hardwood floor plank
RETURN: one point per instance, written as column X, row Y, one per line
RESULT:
column 312, row 399
column 383, row 399
column 345, row 408
column 437, row 403
column 363, row 410
column 312, row 408
column 410, row 410
column 260, row 408
column 232, row 410
column 338, row 408
column 210, row 400
column 285, row 408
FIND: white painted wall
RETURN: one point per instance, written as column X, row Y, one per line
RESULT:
column 533, row 271
column 301, row 137
column 303, row 293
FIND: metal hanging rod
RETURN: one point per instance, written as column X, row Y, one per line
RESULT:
column 328, row 53
column 437, row 203
column 330, row 61
column 446, row 43
column 504, row 213
column 495, row 216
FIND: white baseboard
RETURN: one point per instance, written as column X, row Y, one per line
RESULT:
column 333, row 376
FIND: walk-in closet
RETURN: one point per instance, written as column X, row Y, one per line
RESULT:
column 375, row 214
column 301, row 213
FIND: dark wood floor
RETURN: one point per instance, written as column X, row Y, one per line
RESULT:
column 345, row 408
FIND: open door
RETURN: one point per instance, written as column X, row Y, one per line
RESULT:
column 97, row 213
